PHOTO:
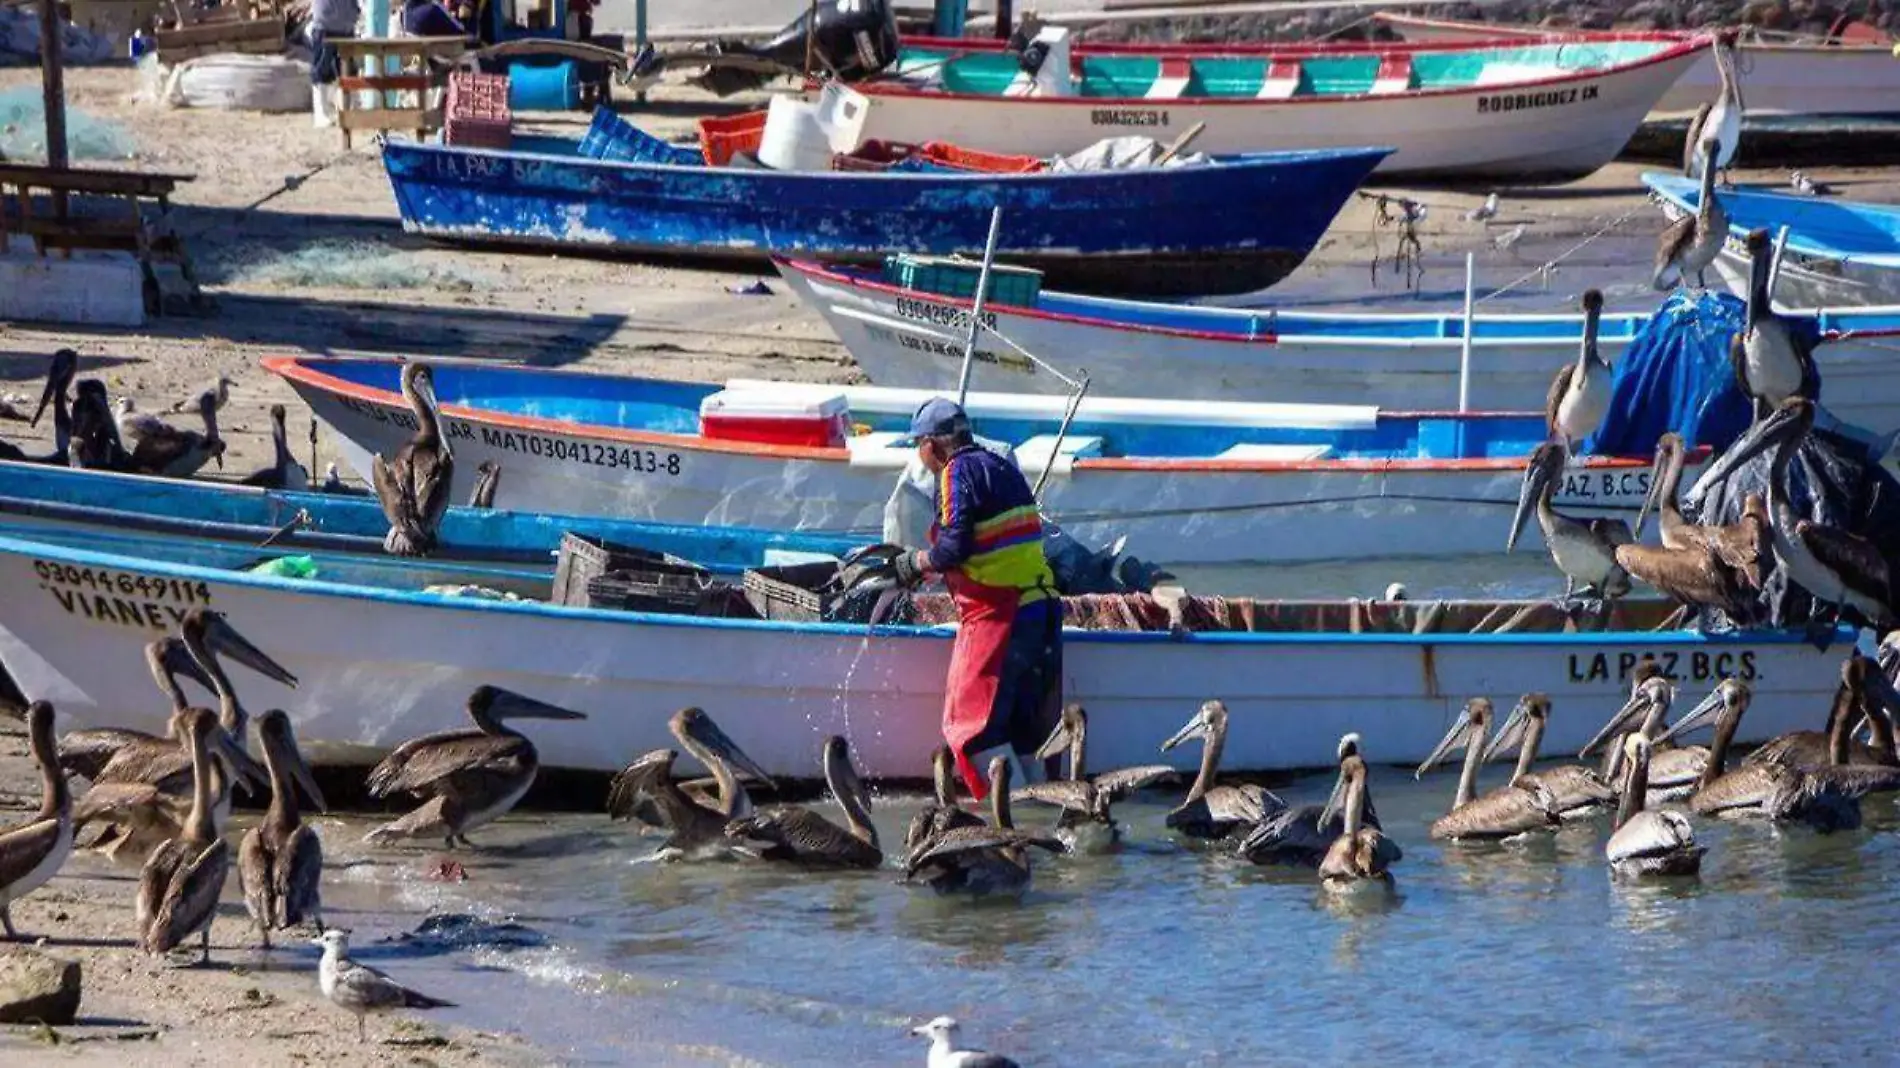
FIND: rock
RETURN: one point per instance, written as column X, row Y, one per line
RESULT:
column 37, row 987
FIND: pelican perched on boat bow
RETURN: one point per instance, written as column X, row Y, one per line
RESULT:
column 280, row 861
column 984, row 859
column 1568, row 791
column 414, row 485
column 1691, row 244
column 284, row 472
column 181, row 880
column 1721, row 121
column 59, row 377
column 1085, row 824
column 1771, row 358
column 794, row 834
column 467, row 776
column 33, row 852
column 1585, row 551
column 1580, row 393
column 1814, row 796
column 1302, row 835
column 1648, row 842
column 645, row 789
column 158, row 448
column 1361, row 855
column 1213, row 811
column 1506, row 812
column 1741, row 546
column 87, row 751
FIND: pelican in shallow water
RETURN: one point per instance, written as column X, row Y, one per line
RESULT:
column 158, row 448
column 1580, row 393
column 1820, row 797
column 1721, row 121
column 1212, row 811
column 359, row 989
column 942, row 812
column 1863, row 691
column 280, row 861
column 33, row 852
column 1569, row 791
column 645, row 789
column 1303, row 834
column 284, row 472
column 1772, row 359
column 181, row 880
column 1505, row 812
column 982, row 860
column 942, row 1033
column 1361, row 855
column 1085, row 824
column 1672, row 771
column 1584, row 550
column 465, row 777
column 794, row 834
column 59, row 376
column 1741, row 546
column 413, row 486
column 1690, row 244
column 1648, row 842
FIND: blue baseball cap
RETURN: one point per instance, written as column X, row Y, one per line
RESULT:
column 938, row 417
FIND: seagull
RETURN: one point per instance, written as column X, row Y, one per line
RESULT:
column 361, row 989
column 944, row 1053
column 1806, row 185
column 1507, row 240
column 1483, row 212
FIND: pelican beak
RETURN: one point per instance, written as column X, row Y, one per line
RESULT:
column 1617, row 724
column 1511, row 733
column 1699, row 716
column 508, row 704
column 1335, row 802
column 1536, row 479
column 1452, row 739
column 1650, row 499
column 1058, row 741
column 251, row 775
column 708, row 734
column 306, row 780
column 281, row 744
column 54, row 383
column 226, row 639
column 1195, row 728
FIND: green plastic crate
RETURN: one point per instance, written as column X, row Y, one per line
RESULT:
column 953, row 276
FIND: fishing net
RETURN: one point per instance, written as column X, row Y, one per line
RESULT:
column 346, row 264
column 23, row 131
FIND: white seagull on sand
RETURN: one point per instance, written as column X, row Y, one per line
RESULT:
column 360, row 988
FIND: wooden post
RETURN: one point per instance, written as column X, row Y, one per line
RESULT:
column 53, row 84
column 1005, row 19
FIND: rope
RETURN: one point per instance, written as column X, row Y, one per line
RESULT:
column 1545, row 267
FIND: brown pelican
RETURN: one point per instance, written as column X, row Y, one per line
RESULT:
column 181, row 880
column 1694, row 576
column 795, row 834
column 944, row 1053
column 1862, row 689
column 1692, row 143
column 86, row 752
column 1585, row 551
column 1648, row 841
column 1809, row 795
column 1691, row 243
column 1580, row 393
column 645, row 788
column 943, row 812
column 1672, row 772
column 360, row 989
column 208, row 635
column 1085, row 824
column 985, row 859
column 280, row 861
column 1569, row 791
column 1505, row 812
column 95, row 433
column 284, row 472
column 1772, row 360
column 414, row 486
column 1211, row 811
column 32, row 852
column 59, row 377
column 487, row 481
column 142, row 812
column 1361, row 854
column 1300, row 835
column 466, row 777
column 158, row 448
column 1722, row 121
column 1741, row 546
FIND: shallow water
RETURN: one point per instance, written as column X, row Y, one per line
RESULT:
column 1165, row 954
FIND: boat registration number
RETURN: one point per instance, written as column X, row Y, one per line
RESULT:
column 1549, row 98
column 1696, row 666
column 123, row 598
column 593, row 453
column 1629, row 486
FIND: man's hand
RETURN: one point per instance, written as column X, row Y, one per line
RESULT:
column 909, row 569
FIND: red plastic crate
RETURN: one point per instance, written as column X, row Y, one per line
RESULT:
column 720, row 139
column 477, row 111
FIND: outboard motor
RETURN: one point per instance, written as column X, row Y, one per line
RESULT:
column 853, row 38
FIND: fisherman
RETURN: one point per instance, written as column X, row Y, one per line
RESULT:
column 1005, row 684
column 329, row 21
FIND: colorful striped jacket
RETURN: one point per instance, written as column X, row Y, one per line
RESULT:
column 988, row 525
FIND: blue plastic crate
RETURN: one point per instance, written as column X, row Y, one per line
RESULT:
column 953, row 276
column 611, row 137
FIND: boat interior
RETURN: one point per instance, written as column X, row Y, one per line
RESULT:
column 1817, row 226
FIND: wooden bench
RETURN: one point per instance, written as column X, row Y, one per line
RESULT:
column 254, row 28
column 117, row 218
column 393, row 83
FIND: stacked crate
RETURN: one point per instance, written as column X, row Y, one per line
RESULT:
column 478, row 113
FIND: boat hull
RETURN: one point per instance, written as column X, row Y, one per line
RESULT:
column 378, row 667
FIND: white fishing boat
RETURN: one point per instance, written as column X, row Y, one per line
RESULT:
column 376, row 666
column 1188, row 482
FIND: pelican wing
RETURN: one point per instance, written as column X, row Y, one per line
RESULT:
column 254, row 878
column 418, row 762
column 1753, row 786
column 934, row 820
column 1502, row 813
column 1692, row 576
column 1570, row 787
column 128, row 800
column 1677, row 767
column 155, row 877
column 629, row 797
column 87, row 752
column 1121, row 782
column 1857, row 780
column 1559, row 385
column 800, row 836
column 1794, row 749
column 1292, row 836
column 1855, row 559
column 964, row 839
column 22, row 849
column 1065, row 794
column 432, row 470
column 1242, row 803
column 161, row 763
column 1670, row 245
column 297, row 877
column 1651, row 833
column 390, row 493
column 190, row 899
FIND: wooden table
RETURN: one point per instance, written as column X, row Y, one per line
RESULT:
column 128, row 211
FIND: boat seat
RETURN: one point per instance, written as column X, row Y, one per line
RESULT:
column 1395, row 75
column 1042, row 451
column 1277, row 454
column 881, row 449
column 1282, row 81
column 1172, row 83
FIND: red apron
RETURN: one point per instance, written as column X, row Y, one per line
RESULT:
column 985, row 615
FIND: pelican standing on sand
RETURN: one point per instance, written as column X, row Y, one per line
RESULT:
column 1771, row 358
column 1569, row 791
column 1721, row 121
column 982, row 860
column 794, row 834
column 1580, row 393
column 280, row 861
column 1361, row 855
column 1690, row 244
column 1085, row 824
column 645, row 789
column 181, row 880
column 158, row 448
column 414, row 486
column 1213, row 811
column 467, row 777
column 284, row 472
column 1584, row 551
column 1648, row 842
column 942, row 1033
column 59, row 376
column 1506, row 812
column 33, row 852
column 359, row 989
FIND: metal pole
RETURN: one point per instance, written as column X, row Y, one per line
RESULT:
column 1068, row 416
column 976, row 306
column 1774, row 265
column 1464, row 350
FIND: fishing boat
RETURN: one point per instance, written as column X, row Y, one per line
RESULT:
column 1838, row 251
column 378, row 665
column 1231, row 225
column 1519, row 111
column 1188, row 482
column 912, row 335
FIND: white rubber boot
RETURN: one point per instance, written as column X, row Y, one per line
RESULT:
column 323, row 115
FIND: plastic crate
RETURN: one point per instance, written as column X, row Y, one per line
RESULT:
column 954, row 276
column 790, row 591
column 612, row 138
column 477, row 112
column 720, row 139
column 693, row 593
column 583, row 559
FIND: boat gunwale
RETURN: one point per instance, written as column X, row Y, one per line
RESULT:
column 298, row 370
column 1398, row 20
column 35, row 550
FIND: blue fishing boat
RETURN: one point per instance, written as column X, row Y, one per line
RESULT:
column 1838, row 251
column 1230, row 226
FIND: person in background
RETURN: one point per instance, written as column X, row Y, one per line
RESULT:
column 428, row 18
column 329, row 20
column 1005, row 684
column 582, row 12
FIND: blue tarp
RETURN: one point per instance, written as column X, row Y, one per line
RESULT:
column 1675, row 375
